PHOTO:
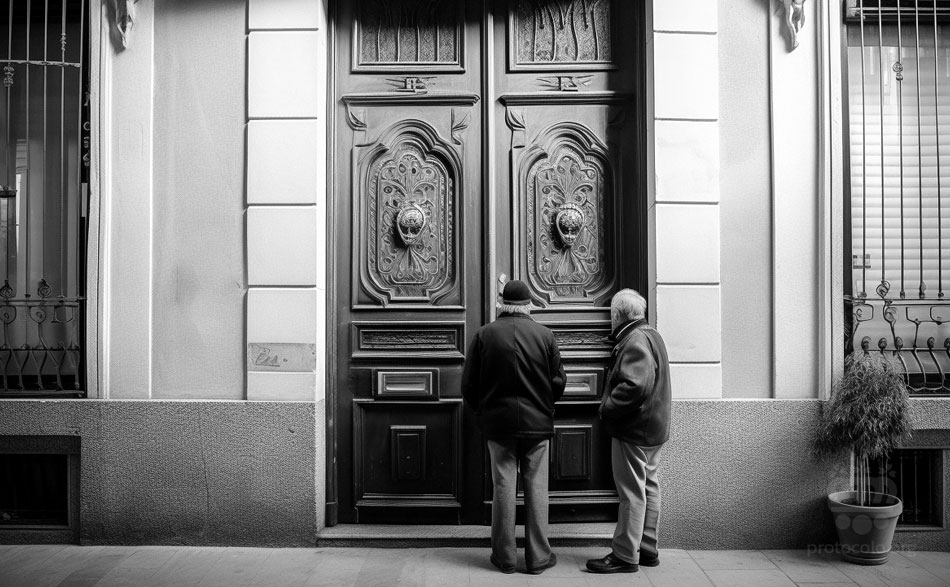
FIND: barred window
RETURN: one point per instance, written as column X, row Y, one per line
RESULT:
column 43, row 143
column 898, row 84
column 915, row 476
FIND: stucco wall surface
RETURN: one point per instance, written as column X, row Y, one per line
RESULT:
column 198, row 249
column 738, row 474
column 745, row 193
column 200, row 473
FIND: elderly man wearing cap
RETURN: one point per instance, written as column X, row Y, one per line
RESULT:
column 513, row 375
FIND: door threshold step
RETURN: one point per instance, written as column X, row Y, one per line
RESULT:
column 432, row 536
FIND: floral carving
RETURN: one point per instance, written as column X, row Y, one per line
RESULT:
column 409, row 242
column 565, row 189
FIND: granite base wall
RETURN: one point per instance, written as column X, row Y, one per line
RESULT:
column 186, row 472
column 736, row 474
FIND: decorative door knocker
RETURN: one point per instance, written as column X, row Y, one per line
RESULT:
column 411, row 221
column 568, row 221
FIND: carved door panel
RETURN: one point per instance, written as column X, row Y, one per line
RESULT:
column 408, row 230
column 567, row 206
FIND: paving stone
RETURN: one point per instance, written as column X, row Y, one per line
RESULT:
column 677, row 569
column 23, row 566
column 238, row 567
column 289, row 567
column 93, row 568
column 750, row 578
column 8, row 550
column 185, row 568
column 61, row 564
column 805, row 567
column 161, row 566
column 937, row 563
column 897, row 572
column 337, row 567
column 735, row 560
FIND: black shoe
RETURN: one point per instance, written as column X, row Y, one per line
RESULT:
column 610, row 564
column 506, row 569
column 649, row 560
column 538, row 570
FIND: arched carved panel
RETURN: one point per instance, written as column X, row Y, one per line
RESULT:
column 407, row 234
column 566, row 189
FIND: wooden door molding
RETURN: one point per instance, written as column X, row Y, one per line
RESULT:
column 564, row 197
column 444, row 174
column 407, row 186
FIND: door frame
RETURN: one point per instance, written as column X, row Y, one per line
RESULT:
column 640, row 126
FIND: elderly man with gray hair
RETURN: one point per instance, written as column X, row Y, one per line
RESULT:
column 635, row 409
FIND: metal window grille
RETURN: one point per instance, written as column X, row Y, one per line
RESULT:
column 898, row 68
column 43, row 178
column 916, row 477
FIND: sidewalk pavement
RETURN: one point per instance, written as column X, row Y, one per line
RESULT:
column 181, row 566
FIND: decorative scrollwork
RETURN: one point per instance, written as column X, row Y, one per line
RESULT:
column 460, row 121
column 882, row 289
column 38, row 314
column 406, row 182
column 519, row 129
column 515, row 119
column 408, row 222
column 565, row 187
column 356, row 118
column 43, row 289
column 910, row 334
column 7, row 314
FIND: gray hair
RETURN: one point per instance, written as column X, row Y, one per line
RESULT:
column 629, row 304
column 514, row 309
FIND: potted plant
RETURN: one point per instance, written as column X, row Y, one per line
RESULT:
column 868, row 415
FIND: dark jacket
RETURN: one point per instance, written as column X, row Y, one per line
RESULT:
column 636, row 402
column 513, row 375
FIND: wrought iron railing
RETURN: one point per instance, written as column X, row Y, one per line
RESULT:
column 888, row 10
column 44, row 161
column 898, row 80
column 913, row 334
column 40, row 350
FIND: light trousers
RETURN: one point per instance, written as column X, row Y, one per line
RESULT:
column 634, row 469
column 532, row 456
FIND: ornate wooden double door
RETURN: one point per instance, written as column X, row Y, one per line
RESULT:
column 475, row 140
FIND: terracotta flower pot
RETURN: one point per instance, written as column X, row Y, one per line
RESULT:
column 865, row 532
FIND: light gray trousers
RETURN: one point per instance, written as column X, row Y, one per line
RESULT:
column 532, row 456
column 634, row 470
